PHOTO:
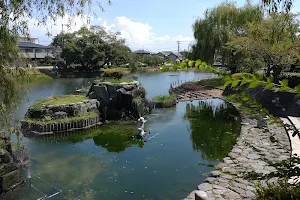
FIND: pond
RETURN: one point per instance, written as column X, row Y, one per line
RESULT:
column 107, row 163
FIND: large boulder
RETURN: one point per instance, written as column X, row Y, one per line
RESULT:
column 64, row 110
column 117, row 101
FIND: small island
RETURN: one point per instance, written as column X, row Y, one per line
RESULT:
column 110, row 99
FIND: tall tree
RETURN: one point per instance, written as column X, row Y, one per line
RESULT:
column 15, row 15
column 92, row 48
column 218, row 26
column 274, row 41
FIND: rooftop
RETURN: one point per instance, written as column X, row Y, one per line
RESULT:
column 32, row 45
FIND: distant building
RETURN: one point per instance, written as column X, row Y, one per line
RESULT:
column 142, row 52
column 170, row 55
column 30, row 49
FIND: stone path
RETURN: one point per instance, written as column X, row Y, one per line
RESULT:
column 253, row 155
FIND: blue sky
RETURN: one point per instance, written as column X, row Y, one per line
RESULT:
column 153, row 25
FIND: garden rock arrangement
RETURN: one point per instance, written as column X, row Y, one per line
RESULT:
column 48, row 119
column 64, row 110
column 10, row 168
column 122, row 100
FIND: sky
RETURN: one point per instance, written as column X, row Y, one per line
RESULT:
column 153, row 25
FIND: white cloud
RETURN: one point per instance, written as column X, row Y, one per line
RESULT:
column 67, row 23
column 138, row 35
column 141, row 35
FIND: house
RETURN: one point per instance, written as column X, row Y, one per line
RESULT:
column 32, row 50
column 170, row 55
column 142, row 52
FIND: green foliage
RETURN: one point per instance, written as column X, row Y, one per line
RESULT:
column 277, row 191
column 115, row 73
column 56, row 100
column 164, row 98
column 278, row 5
column 49, row 120
column 148, row 60
column 90, row 49
column 116, row 81
column 217, row 27
column 272, row 43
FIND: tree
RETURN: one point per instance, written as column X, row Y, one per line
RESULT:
column 14, row 21
column 272, row 41
column 275, row 5
column 218, row 26
column 92, row 48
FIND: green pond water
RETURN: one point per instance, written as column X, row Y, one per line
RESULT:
column 109, row 163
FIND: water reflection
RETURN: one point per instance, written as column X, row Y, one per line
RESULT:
column 214, row 128
column 117, row 137
column 114, row 136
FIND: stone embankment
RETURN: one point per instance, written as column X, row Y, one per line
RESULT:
column 72, row 113
column 191, row 91
column 253, row 156
column 10, row 166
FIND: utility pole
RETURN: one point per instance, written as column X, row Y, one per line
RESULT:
column 178, row 43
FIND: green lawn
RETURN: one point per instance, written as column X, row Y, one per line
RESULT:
column 164, row 98
column 48, row 120
column 56, row 100
column 116, row 81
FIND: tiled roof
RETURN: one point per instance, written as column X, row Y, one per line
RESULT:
column 32, row 45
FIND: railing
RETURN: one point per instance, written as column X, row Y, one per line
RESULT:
column 178, row 83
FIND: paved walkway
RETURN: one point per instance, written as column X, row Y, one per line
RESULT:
column 252, row 157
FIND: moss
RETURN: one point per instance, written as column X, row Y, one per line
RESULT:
column 164, row 98
column 212, row 82
column 137, row 100
column 116, row 73
column 48, row 120
column 116, row 81
column 56, row 100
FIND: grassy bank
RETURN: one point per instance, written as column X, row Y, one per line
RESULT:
column 212, row 82
column 116, row 81
column 164, row 98
column 56, row 100
column 49, row 120
column 29, row 75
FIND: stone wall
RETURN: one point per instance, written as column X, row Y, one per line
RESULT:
column 119, row 101
column 56, row 127
column 278, row 103
column 64, row 110
column 10, row 168
column 253, row 155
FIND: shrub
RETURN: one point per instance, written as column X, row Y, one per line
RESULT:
column 278, row 191
column 115, row 73
column 56, row 100
column 293, row 77
column 164, row 98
